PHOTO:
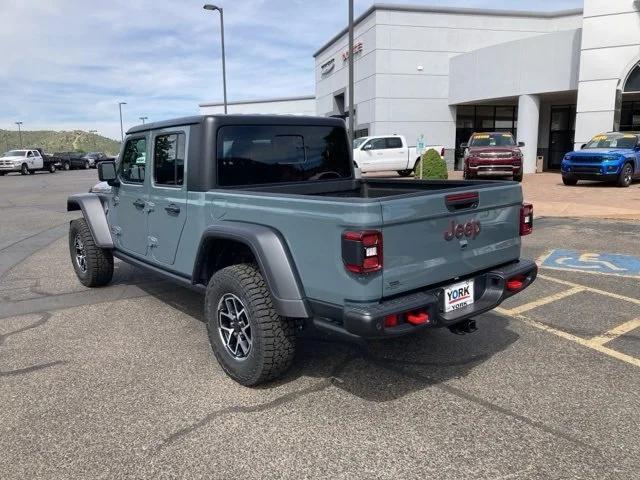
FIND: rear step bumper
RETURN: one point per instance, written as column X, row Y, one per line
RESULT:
column 367, row 321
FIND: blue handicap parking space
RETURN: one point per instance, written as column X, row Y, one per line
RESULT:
column 609, row 263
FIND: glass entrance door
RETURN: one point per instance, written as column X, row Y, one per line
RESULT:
column 561, row 134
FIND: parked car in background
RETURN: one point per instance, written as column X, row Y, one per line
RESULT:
column 387, row 152
column 608, row 157
column 71, row 160
column 493, row 154
column 95, row 158
column 26, row 161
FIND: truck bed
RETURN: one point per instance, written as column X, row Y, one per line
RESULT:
column 372, row 189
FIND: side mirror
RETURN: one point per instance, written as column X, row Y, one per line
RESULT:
column 582, row 146
column 464, row 145
column 368, row 146
column 107, row 173
column 520, row 144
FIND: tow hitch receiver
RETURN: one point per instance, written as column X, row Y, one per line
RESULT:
column 464, row 327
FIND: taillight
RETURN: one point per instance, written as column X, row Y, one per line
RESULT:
column 362, row 251
column 526, row 219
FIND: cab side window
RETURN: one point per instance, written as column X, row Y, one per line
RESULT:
column 30, row 154
column 376, row 144
column 168, row 159
column 133, row 162
column 394, row 142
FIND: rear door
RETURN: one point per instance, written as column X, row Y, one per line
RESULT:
column 395, row 154
column 429, row 239
column 168, row 193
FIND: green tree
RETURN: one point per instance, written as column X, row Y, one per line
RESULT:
column 431, row 166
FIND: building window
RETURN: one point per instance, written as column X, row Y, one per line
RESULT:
column 630, row 116
column 633, row 81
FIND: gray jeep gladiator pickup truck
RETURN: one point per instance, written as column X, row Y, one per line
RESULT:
column 264, row 214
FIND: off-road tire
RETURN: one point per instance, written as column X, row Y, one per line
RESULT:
column 626, row 176
column 24, row 170
column 272, row 336
column 405, row 173
column 99, row 261
column 569, row 181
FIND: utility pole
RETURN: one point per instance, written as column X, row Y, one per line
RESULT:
column 224, row 73
column 351, row 87
column 121, row 129
column 19, row 132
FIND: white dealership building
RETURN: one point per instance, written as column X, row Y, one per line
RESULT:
column 554, row 79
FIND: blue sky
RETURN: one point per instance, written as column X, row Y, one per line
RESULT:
column 67, row 63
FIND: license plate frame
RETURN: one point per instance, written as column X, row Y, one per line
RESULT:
column 458, row 295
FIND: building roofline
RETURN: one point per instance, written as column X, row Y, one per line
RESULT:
column 453, row 10
column 261, row 100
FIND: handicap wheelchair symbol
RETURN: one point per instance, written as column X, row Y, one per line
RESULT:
column 610, row 263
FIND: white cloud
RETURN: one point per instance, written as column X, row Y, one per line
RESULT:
column 67, row 63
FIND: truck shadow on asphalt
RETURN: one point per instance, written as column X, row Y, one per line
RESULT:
column 379, row 371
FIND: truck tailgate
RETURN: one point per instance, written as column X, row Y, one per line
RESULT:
column 422, row 246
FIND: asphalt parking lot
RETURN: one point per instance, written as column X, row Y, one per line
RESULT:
column 120, row 381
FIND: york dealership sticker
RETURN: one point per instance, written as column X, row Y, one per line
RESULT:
column 593, row 262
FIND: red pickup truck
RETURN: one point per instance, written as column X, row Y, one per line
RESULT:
column 492, row 154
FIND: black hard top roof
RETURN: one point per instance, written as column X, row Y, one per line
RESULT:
column 237, row 119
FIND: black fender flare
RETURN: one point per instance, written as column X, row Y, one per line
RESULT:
column 93, row 213
column 274, row 261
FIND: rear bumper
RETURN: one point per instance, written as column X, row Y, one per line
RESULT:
column 367, row 321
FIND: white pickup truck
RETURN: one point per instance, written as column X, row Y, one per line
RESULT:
column 25, row 161
column 387, row 152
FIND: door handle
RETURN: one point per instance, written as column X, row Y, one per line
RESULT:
column 139, row 203
column 172, row 209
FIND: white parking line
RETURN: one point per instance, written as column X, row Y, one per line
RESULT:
column 590, row 289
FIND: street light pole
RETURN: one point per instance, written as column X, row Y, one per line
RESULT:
column 121, row 129
column 224, row 72
column 143, row 119
column 350, row 57
column 19, row 132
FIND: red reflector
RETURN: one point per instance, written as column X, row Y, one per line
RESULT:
column 526, row 219
column 417, row 318
column 516, row 283
column 391, row 320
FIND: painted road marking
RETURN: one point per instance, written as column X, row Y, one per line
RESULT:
column 602, row 263
column 594, row 345
column 617, row 331
column 544, row 301
column 590, row 289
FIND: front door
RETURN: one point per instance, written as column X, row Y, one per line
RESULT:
column 167, row 193
column 373, row 155
column 129, row 210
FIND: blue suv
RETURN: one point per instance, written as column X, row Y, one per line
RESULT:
column 609, row 157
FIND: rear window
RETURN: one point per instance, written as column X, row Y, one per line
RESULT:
column 249, row 155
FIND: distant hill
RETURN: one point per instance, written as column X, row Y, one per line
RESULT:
column 52, row 141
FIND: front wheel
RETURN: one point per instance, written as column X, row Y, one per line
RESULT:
column 626, row 175
column 24, row 170
column 404, row 173
column 252, row 343
column 569, row 181
column 66, row 166
column 93, row 265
